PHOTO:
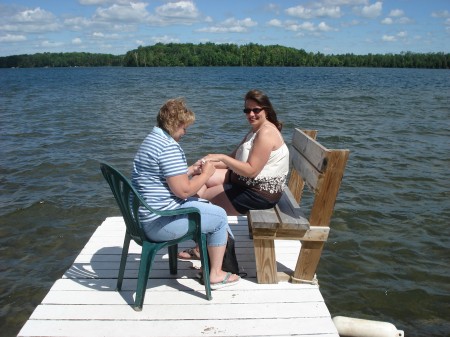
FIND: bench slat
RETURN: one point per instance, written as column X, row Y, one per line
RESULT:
column 285, row 221
column 311, row 149
column 310, row 175
column 265, row 218
column 290, row 214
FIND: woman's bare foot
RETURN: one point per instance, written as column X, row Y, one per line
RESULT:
column 214, row 278
column 227, row 280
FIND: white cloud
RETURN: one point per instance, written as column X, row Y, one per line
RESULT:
column 133, row 13
column 396, row 12
column 389, row 38
column 441, row 14
column 100, row 35
column 396, row 37
column 76, row 40
column 275, row 8
column 275, row 23
column 230, row 25
column 102, row 2
column 34, row 20
column 33, row 15
column 93, row 2
column 332, row 12
column 309, row 13
column 308, row 26
column 247, row 22
column 323, row 27
column 404, row 20
column 164, row 39
column 345, row 2
column 12, row 38
column 50, row 44
column 77, row 23
column 305, row 26
column 300, row 12
column 179, row 12
column 371, row 11
column 180, row 9
column 396, row 16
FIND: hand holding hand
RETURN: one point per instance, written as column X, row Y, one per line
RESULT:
column 212, row 157
column 196, row 168
column 208, row 168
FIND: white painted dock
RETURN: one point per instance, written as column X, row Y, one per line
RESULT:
column 84, row 301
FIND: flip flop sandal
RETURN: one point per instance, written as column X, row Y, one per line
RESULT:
column 192, row 252
column 224, row 283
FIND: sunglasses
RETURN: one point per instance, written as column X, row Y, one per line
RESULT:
column 254, row 110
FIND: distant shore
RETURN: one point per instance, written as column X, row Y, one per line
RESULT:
column 225, row 55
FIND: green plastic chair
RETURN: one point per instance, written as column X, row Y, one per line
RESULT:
column 129, row 201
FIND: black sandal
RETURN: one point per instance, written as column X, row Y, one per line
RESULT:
column 193, row 253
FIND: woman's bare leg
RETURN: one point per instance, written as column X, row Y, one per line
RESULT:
column 218, row 197
column 218, row 178
column 216, row 274
column 214, row 192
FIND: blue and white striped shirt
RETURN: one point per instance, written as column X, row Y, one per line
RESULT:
column 158, row 157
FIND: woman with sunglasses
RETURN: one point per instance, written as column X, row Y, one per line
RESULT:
column 254, row 174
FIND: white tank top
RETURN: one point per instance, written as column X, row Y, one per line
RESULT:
column 270, row 181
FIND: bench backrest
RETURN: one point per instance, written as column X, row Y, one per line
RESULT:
column 320, row 169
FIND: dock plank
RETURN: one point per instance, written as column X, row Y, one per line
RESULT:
column 84, row 301
column 254, row 327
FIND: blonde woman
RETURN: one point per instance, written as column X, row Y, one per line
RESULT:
column 162, row 177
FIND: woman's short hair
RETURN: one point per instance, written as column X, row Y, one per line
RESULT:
column 263, row 100
column 173, row 114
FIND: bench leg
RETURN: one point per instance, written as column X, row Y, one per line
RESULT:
column 266, row 263
column 308, row 261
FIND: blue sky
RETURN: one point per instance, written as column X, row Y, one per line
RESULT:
column 326, row 26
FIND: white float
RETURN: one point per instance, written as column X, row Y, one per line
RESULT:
column 356, row 327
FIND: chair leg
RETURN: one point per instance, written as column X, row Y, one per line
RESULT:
column 173, row 260
column 147, row 257
column 123, row 261
column 205, row 266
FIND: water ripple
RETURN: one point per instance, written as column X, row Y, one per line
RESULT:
column 387, row 255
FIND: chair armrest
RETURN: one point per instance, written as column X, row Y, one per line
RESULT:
column 169, row 212
column 187, row 210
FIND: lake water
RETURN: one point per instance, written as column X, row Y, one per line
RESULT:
column 387, row 257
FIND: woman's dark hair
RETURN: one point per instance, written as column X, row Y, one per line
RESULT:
column 263, row 100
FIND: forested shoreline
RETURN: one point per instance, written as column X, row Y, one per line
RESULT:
column 213, row 55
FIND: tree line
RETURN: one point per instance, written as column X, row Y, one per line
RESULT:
column 41, row 60
column 211, row 55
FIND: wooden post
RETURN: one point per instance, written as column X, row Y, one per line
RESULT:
column 266, row 262
column 321, row 211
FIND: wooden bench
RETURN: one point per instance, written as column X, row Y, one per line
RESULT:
column 320, row 169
